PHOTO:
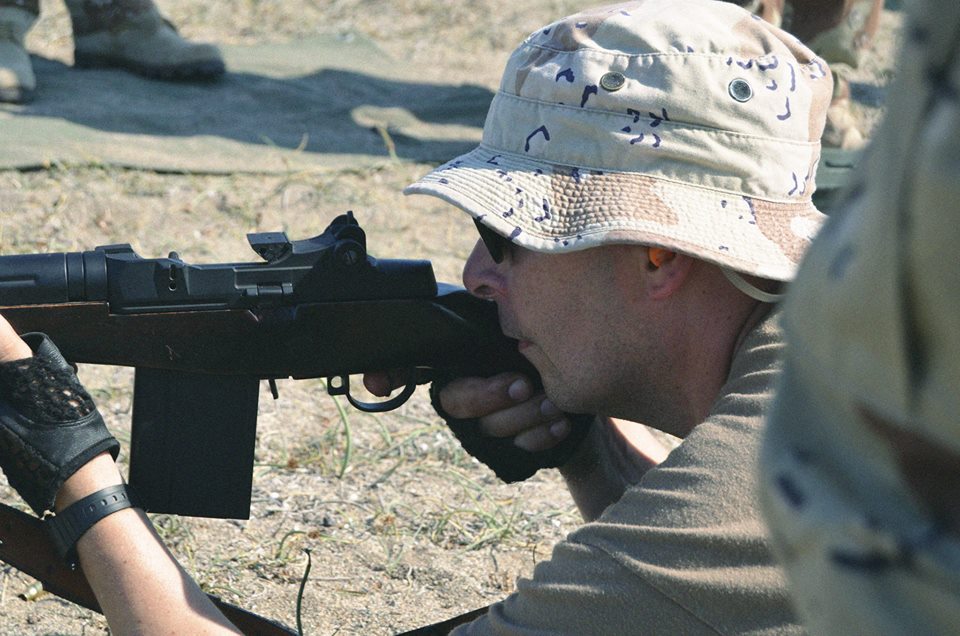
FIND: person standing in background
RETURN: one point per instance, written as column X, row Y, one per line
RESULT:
column 127, row 34
column 839, row 31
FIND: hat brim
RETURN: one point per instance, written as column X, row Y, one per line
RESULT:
column 552, row 208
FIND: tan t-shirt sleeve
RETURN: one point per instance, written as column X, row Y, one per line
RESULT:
column 684, row 551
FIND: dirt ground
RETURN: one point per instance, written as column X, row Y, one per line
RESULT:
column 402, row 527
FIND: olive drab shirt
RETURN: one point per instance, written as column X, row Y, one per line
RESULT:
column 684, row 551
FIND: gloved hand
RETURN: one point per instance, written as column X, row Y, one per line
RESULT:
column 49, row 425
column 531, row 440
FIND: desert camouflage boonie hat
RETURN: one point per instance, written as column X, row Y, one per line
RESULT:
column 686, row 124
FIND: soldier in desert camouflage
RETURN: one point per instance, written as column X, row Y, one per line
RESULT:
column 643, row 193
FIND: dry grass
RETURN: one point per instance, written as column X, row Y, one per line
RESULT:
column 402, row 527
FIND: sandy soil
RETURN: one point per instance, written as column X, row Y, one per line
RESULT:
column 403, row 529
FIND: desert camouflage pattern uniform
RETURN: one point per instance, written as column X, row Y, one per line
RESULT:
column 861, row 467
column 90, row 16
column 33, row 6
column 625, row 125
column 129, row 34
column 840, row 31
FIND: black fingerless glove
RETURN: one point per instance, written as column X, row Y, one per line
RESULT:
column 49, row 425
column 510, row 462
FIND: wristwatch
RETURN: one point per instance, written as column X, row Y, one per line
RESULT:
column 67, row 526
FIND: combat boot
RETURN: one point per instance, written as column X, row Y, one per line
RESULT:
column 17, row 81
column 132, row 35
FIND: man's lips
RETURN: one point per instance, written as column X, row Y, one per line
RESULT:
column 509, row 330
column 521, row 342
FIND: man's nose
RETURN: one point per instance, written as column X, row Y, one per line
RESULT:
column 481, row 276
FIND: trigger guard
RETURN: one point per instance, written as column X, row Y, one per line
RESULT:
column 374, row 407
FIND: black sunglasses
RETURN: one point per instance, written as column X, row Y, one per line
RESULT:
column 497, row 245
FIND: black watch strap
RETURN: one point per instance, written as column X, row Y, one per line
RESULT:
column 68, row 526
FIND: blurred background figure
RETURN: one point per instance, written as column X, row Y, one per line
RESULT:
column 861, row 462
column 127, row 34
column 839, row 31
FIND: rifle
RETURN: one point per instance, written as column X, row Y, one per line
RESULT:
column 203, row 337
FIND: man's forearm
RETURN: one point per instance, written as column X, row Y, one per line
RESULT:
column 609, row 461
column 139, row 585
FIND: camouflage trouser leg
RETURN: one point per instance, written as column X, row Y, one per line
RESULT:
column 33, row 6
column 133, row 35
column 838, row 30
column 17, row 81
column 769, row 10
column 91, row 17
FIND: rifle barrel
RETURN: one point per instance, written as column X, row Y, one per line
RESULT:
column 59, row 277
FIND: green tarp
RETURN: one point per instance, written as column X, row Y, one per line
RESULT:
column 327, row 102
column 333, row 101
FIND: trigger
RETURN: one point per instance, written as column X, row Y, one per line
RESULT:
column 340, row 385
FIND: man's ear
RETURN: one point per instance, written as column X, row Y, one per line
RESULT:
column 665, row 272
